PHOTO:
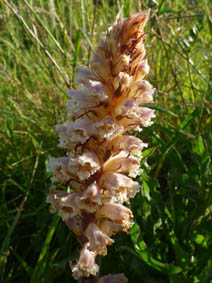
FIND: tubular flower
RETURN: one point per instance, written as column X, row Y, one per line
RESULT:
column 86, row 264
column 102, row 158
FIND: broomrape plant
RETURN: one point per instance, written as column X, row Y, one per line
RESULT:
column 102, row 158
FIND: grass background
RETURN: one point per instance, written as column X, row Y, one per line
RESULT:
column 41, row 43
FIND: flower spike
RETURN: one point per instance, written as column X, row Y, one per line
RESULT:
column 103, row 158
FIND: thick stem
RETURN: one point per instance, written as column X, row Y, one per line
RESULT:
column 90, row 279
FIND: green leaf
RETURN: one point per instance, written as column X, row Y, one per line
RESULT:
column 200, row 240
column 148, row 152
column 199, row 146
column 145, row 254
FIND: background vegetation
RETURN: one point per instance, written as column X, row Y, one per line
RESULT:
column 41, row 42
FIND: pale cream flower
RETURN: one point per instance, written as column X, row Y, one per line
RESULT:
column 115, row 212
column 98, row 241
column 78, row 132
column 60, row 169
column 91, row 199
column 129, row 114
column 73, row 133
column 117, row 187
column 121, row 64
column 142, row 92
column 86, row 265
column 66, row 204
column 84, row 165
column 107, row 128
column 86, row 99
column 142, row 70
column 122, row 81
column 70, row 205
column 127, row 143
column 109, row 227
column 123, row 163
column 92, row 193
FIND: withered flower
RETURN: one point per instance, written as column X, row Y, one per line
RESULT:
column 102, row 158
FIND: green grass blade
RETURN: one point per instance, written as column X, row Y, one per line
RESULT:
column 76, row 54
column 161, row 109
column 126, row 9
column 44, row 26
column 41, row 264
column 6, row 243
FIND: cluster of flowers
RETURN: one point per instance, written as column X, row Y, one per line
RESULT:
column 102, row 159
